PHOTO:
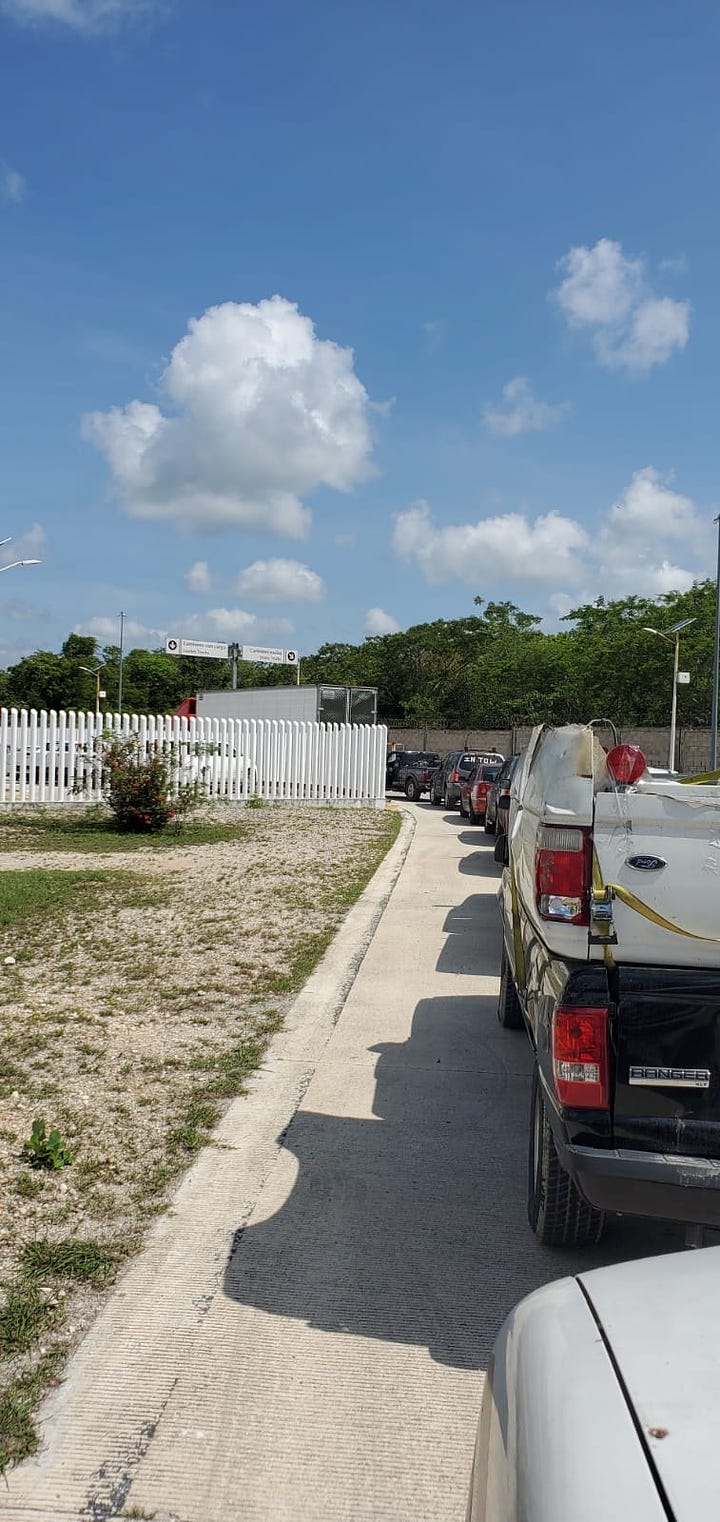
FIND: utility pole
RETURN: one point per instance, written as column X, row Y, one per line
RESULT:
column 120, row 673
column 234, row 653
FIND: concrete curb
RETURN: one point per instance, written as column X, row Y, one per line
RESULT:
column 117, row 1384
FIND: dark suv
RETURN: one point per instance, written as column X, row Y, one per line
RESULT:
column 455, row 769
column 409, row 771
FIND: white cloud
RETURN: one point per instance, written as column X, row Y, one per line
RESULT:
column 280, row 581
column 107, row 632
column 523, row 412
column 435, row 334
column 377, row 621
column 658, row 326
column 198, row 578
column 29, row 546
column 651, row 540
column 633, row 553
column 12, row 184
column 82, row 15
column 260, row 412
column 233, row 623
column 550, row 549
column 607, row 294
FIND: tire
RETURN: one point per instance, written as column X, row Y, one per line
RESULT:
column 412, row 790
column 435, row 801
column 509, row 1010
column 557, row 1212
column 489, row 824
column 500, row 849
column 472, row 816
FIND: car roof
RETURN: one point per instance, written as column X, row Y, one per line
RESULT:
column 659, row 1318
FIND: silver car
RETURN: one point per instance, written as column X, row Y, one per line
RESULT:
column 602, row 1396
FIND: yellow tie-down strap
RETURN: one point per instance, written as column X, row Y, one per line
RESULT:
column 700, row 777
column 631, row 900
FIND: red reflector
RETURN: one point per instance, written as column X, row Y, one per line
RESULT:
column 580, row 1057
column 563, row 869
column 454, row 776
column 626, row 763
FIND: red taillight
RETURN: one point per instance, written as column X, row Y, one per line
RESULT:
column 454, row 775
column 580, row 1057
column 563, row 869
column 626, row 763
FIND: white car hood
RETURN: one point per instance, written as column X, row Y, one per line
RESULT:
column 660, row 1318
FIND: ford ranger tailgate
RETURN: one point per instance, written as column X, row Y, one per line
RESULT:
column 657, row 857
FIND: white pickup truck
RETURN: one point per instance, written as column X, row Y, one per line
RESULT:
column 611, row 958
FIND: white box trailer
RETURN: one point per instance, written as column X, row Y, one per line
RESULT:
column 308, row 704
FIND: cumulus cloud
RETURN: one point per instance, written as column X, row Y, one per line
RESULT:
column 107, row 632
column 280, row 581
column 377, row 621
column 607, row 295
column 259, row 412
column 233, row 624
column 12, row 184
column 522, row 412
column 198, row 578
column 651, row 540
column 30, row 546
column 548, row 550
column 641, row 535
column 81, row 15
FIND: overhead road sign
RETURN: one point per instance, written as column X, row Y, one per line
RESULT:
column 210, row 649
column 266, row 654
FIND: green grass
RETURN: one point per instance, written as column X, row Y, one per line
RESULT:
column 18, row 1436
column 93, row 831
column 73, row 1258
column 24, row 1316
column 63, row 912
column 40, row 895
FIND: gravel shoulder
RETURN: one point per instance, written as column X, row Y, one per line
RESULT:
column 128, row 1020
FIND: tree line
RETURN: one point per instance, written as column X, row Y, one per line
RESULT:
column 494, row 669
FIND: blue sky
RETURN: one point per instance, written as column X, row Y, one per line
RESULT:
column 450, row 276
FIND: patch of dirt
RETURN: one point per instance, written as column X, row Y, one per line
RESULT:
column 130, row 1026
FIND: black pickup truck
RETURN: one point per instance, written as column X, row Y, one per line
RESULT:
column 409, row 772
column 611, row 960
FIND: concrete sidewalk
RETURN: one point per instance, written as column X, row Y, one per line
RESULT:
column 305, row 1337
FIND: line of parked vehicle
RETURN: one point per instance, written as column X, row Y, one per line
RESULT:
column 475, row 782
column 611, row 964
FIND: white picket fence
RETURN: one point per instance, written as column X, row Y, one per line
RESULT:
column 56, row 757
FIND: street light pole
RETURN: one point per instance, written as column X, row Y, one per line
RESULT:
column 95, row 671
column 716, row 663
column 120, row 672
column 665, row 634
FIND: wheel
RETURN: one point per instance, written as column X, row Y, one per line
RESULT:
column 461, row 809
column 509, row 1010
column 435, row 801
column 500, row 851
column 449, row 802
column 472, row 816
column 412, row 790
column 557, row 1212
column 489, row 823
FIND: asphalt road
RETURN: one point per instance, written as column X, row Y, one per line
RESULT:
column 306, row 1338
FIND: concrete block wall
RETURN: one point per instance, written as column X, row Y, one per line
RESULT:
column 693, row 745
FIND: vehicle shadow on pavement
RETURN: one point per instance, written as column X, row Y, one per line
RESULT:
column 409, row 1226
column 474, row 937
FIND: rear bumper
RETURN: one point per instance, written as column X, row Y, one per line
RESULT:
column 658, row 1186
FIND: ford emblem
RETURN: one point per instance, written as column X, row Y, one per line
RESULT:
column 646, row 863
